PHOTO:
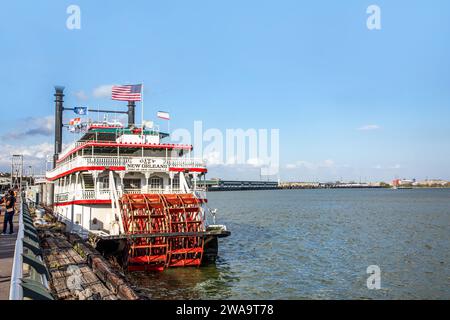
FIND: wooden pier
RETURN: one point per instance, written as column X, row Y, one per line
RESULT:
column 75, row 270
column 71, row 277
column 78, row 272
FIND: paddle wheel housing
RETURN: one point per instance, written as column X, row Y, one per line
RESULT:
column 165, row 230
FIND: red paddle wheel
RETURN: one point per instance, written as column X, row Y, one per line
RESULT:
column 163, row 230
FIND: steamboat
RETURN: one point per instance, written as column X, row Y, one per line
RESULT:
column 137, row 195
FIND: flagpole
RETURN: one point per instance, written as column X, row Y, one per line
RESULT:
column 142, row 104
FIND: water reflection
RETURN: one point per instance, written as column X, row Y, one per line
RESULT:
column 208, row 282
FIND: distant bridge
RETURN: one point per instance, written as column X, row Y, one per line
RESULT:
column 234, row 185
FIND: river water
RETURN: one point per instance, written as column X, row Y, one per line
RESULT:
column 317, row 244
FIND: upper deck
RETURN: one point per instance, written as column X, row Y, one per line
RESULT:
column 112, row 147
column 115, row 135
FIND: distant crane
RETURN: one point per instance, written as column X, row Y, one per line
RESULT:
column 17, row 171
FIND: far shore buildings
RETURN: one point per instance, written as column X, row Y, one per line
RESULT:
column 5, row 181
column 432, row 183
column 424, row 183
column 436, row 183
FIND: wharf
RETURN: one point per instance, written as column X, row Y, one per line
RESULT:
column 55, row 265
column 71, row 277
column 78, row 272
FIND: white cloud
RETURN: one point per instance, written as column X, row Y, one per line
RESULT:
column 328, row 163
column 81, row 95
column 297, row 165
column 213, row 158
column 301, row 164
column 103, row 91
column 43, row 126
column 369, row 127
column 231, row 161
column 216, row 158
column 311, row 165
column 396, row 166
column 34, row 155
column 256, row 162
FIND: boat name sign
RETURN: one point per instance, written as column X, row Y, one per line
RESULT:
column 146, row 164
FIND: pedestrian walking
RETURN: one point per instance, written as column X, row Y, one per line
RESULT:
column 10, row 205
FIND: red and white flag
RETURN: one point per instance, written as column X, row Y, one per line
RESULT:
column 75, row 122
column 163, row 115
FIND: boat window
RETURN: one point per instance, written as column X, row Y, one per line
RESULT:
column 176, row 182
column 103, row 183
column 132, row 183
column 156, row 183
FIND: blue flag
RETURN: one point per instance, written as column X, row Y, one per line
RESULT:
column 82, row 111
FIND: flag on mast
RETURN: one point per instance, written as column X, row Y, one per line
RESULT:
column 74, row 122
column 163, row 115
column 82, row 111
column 131, row 92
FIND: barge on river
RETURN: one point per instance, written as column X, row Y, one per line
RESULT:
column 139, row 196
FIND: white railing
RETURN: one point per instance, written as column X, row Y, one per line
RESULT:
column 132, row 191
column 153, row 190
column 130, row 163
column 68, row 148
column 71, row 147
column 79, row 144
column 105, row 194
column 88, row 195
column 91, row 194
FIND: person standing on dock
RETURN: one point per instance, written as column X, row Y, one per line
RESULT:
column 10, row 204
column 2, row 203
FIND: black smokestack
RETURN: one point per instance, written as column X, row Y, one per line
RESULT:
column 131, row 113
column 59, row 107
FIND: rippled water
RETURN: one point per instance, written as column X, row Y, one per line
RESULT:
column 317, row 244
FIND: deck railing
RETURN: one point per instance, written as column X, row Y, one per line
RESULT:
column 114, row 161
column 105, row 194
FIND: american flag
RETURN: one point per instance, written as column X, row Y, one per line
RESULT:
column 127, row 92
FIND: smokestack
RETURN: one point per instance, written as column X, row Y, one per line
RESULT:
column 131, row 113
column 59, row 107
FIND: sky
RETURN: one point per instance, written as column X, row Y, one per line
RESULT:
column 350, row 103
